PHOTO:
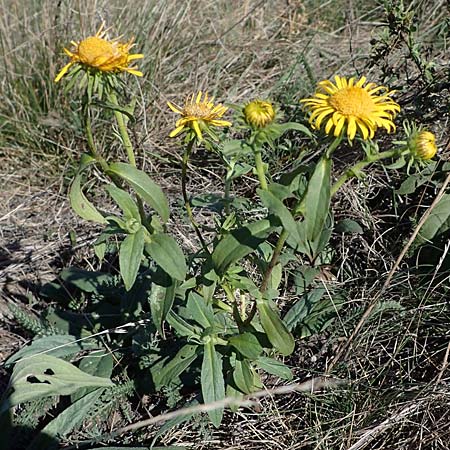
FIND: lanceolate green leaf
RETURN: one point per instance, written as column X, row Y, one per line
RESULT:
column 81, row 205
column 44, row 376
column 71, row 418
column 317, row 199
column 58, row 345
column 200, row 311
column 130, row 256
column 165, row 251
column 240, row 243
column 275, row 329
column 213, row 386
column 437, row 222
column 125, row 202
column 182, row 327
column 276, row 206
column 274, row 367
column 247, row 344
column 243, row 376
column 161, row 300
column 302, row 308
column 99, row 363
column 144, row 186
column 176, row 366
column 283, row 127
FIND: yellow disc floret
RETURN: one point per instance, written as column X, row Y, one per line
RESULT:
column 99, row 53
column 198, row 114
column 259, row 113
column 350, row 107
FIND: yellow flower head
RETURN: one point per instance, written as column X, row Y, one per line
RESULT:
column 198, row 114
column 97, row 52
column 351, row 107
column 423, row 145
column 259, row 113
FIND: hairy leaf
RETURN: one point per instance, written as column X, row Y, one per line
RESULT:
column 81, row 205
column 165, row 251
column 130, row 256
column 58, row 345
column 144, row 186
column 274, row 367
column 176, row 366
column 43, row 376
column 65, row 422
column 200, row 311
column 438, row 221
column 213, row 386
column 247, row 344
column 275, row 329
column 161, row 301
column 125, row 202
column 240, row 243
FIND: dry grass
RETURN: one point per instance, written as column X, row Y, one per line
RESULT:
column 399, row 395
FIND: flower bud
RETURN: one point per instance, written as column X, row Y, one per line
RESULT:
column 423, row 145
column 259, row 113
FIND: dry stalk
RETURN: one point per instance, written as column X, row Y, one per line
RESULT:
column 310, row 386
column 345, row 348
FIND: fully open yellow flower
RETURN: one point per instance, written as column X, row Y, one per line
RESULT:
column 198, row 114
column 97, row 52
column 352, row 107
column 259, row 113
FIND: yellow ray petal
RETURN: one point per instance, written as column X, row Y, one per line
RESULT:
column 339, row 126
column 351, row 128
column 135, row 56
column 63, row 71
column 174, row 108
column 197, row 130
column 177, row 131
column 221, row 123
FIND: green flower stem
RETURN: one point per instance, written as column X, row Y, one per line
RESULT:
column 334, row 145
column 236, row 314
column 227, row 190
column 273, row 262
column 129, row 149
column 122, row 129
column 349, row 173
column 91, row 143
column 260, row 169
column 187, row 203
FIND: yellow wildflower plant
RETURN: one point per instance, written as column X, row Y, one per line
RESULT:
column 102, row 54
column 351, row 106
column 259, row 113
column 198, row 114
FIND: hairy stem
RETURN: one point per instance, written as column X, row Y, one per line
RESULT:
column 260, row 169
column 236, row 314
column 122, row 129
column 349, row 173
column 187, row 203
column 272, row 263
column 91, row 142
column 227, row 194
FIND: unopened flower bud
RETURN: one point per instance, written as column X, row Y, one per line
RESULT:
column 259, row 113
column 423, row 145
